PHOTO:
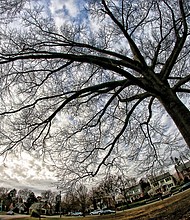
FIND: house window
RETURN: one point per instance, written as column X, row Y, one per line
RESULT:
column 161, row 181
column 155, row 184
column 170, row 185
column 168, row 179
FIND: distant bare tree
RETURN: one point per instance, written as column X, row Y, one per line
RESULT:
column 3, row 191
column 30, row 200
column 48, row 195
column 24, row 194
column 93, row 96
column 82, row 197
column 109, row 188
column 3, row 197
column 69, row 202
column 94, row 196
column 114, row 185
column 76, row 199
column 123, row 184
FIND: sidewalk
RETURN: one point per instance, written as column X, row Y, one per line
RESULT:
column 2, row 217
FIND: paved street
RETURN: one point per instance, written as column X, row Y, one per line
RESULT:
column 12, row 216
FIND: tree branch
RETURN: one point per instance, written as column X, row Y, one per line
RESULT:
column 136, row 52
column 180, row 41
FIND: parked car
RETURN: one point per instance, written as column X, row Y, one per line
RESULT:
column 174, row 189
column 166, row 194
column 76, row 213
column 107, row 211
column 10, row 212
column 96, row 212
column 184, row 187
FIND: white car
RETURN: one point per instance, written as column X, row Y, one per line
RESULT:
column 76, row 213
column 10, row 212
column 96, row 212
column 107, row 211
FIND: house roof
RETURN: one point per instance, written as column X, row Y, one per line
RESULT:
column 153, row 179
column 39, row 205
column 20, row 204
column 183, row 166
column 119, row 197
column 36, row 205
column 134, row 189
column 137, row 186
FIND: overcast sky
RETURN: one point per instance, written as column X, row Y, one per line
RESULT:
column 23, row 170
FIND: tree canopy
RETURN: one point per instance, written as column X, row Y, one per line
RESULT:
column 108, row 86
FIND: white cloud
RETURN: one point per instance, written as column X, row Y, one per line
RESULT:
column 64, row 7
column 65, row 11
column 25, row 171
column 71, row 7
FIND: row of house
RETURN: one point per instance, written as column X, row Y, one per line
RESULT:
column 160, row 184
column 41, row 207
column 154, row 185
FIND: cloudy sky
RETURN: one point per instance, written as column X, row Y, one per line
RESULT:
column 24, row 170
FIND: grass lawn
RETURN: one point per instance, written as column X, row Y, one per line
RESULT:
column 173, row 208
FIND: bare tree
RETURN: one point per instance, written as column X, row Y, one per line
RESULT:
column 91, row 96
column 69, row 202
column 3, row 191
column 24, row 194
column 9, row 9
column 49, row 196
column 76, row 199
column 95, row 196
column 81, row 193
column 109, row 189
column 123, row 184
column 115, row 185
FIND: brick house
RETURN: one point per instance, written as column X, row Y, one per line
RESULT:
column 182, row 171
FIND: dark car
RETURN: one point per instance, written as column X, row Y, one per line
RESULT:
column 107, row 211
column 184, row 187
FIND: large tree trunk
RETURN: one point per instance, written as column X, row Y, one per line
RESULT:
column 178, row 112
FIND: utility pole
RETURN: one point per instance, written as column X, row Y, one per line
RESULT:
column 60, row 205
column 1, row 205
